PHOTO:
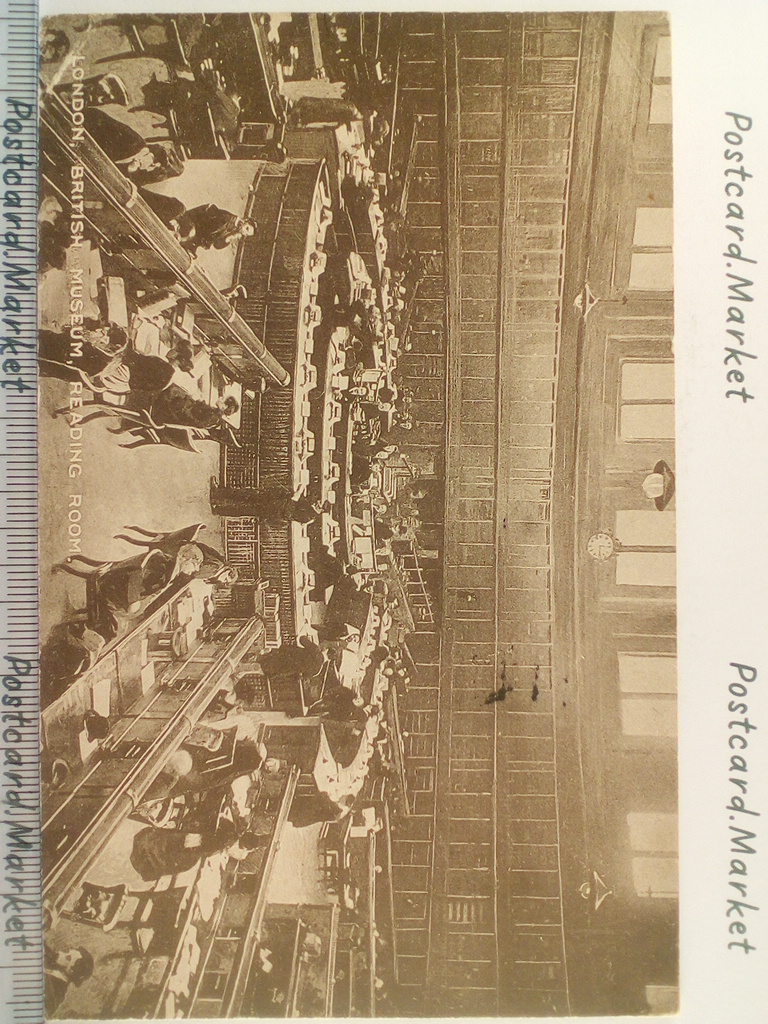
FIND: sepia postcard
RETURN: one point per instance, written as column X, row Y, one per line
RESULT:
column 358, row 505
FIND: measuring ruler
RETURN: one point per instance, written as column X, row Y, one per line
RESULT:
column 21, row 933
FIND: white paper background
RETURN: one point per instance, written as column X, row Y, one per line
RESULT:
column 720, row 63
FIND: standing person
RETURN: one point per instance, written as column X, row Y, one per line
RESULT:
column 223, row 101
column 275, row 503
column 62, row 968
column 108, row 365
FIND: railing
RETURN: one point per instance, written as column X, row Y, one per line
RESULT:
column 276, row 566
column 272, row 269
column 241, row 971
column 276, row 101
column 415, row 586
column 69, row 871
column 123, row 195
column 241, row 547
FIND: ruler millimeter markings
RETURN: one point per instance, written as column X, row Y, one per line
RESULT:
column 21, row 934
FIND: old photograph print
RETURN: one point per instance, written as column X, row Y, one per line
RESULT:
column 357, row 498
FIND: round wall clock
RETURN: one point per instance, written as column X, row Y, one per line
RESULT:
column 600, row 546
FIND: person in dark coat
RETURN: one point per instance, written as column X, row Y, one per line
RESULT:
column 197, row 778
column 197, row 104
column 126, row 588
column 53, row 240
column 269, row 504
column 62, row 968
column 311, row 808
column 97, row 90
column 328, row 571
column 128, row 149
column 148, row 380
column 339, row 704
column 247, row 758
column 347, row 607
column 125, row 585
column 148, row 374
column 157, row 852
column 161, row 851
column 120, row 142
column 69, row 650
column 210, row 227
column 360, row 472
column 174, row 405
column 99, row 346
column 167, row 208
column 324, row 110
column 110, row 365
column 303, row 658
column 54, row 46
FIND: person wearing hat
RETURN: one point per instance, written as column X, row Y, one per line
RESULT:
column 210, row 227
column 659, row 486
